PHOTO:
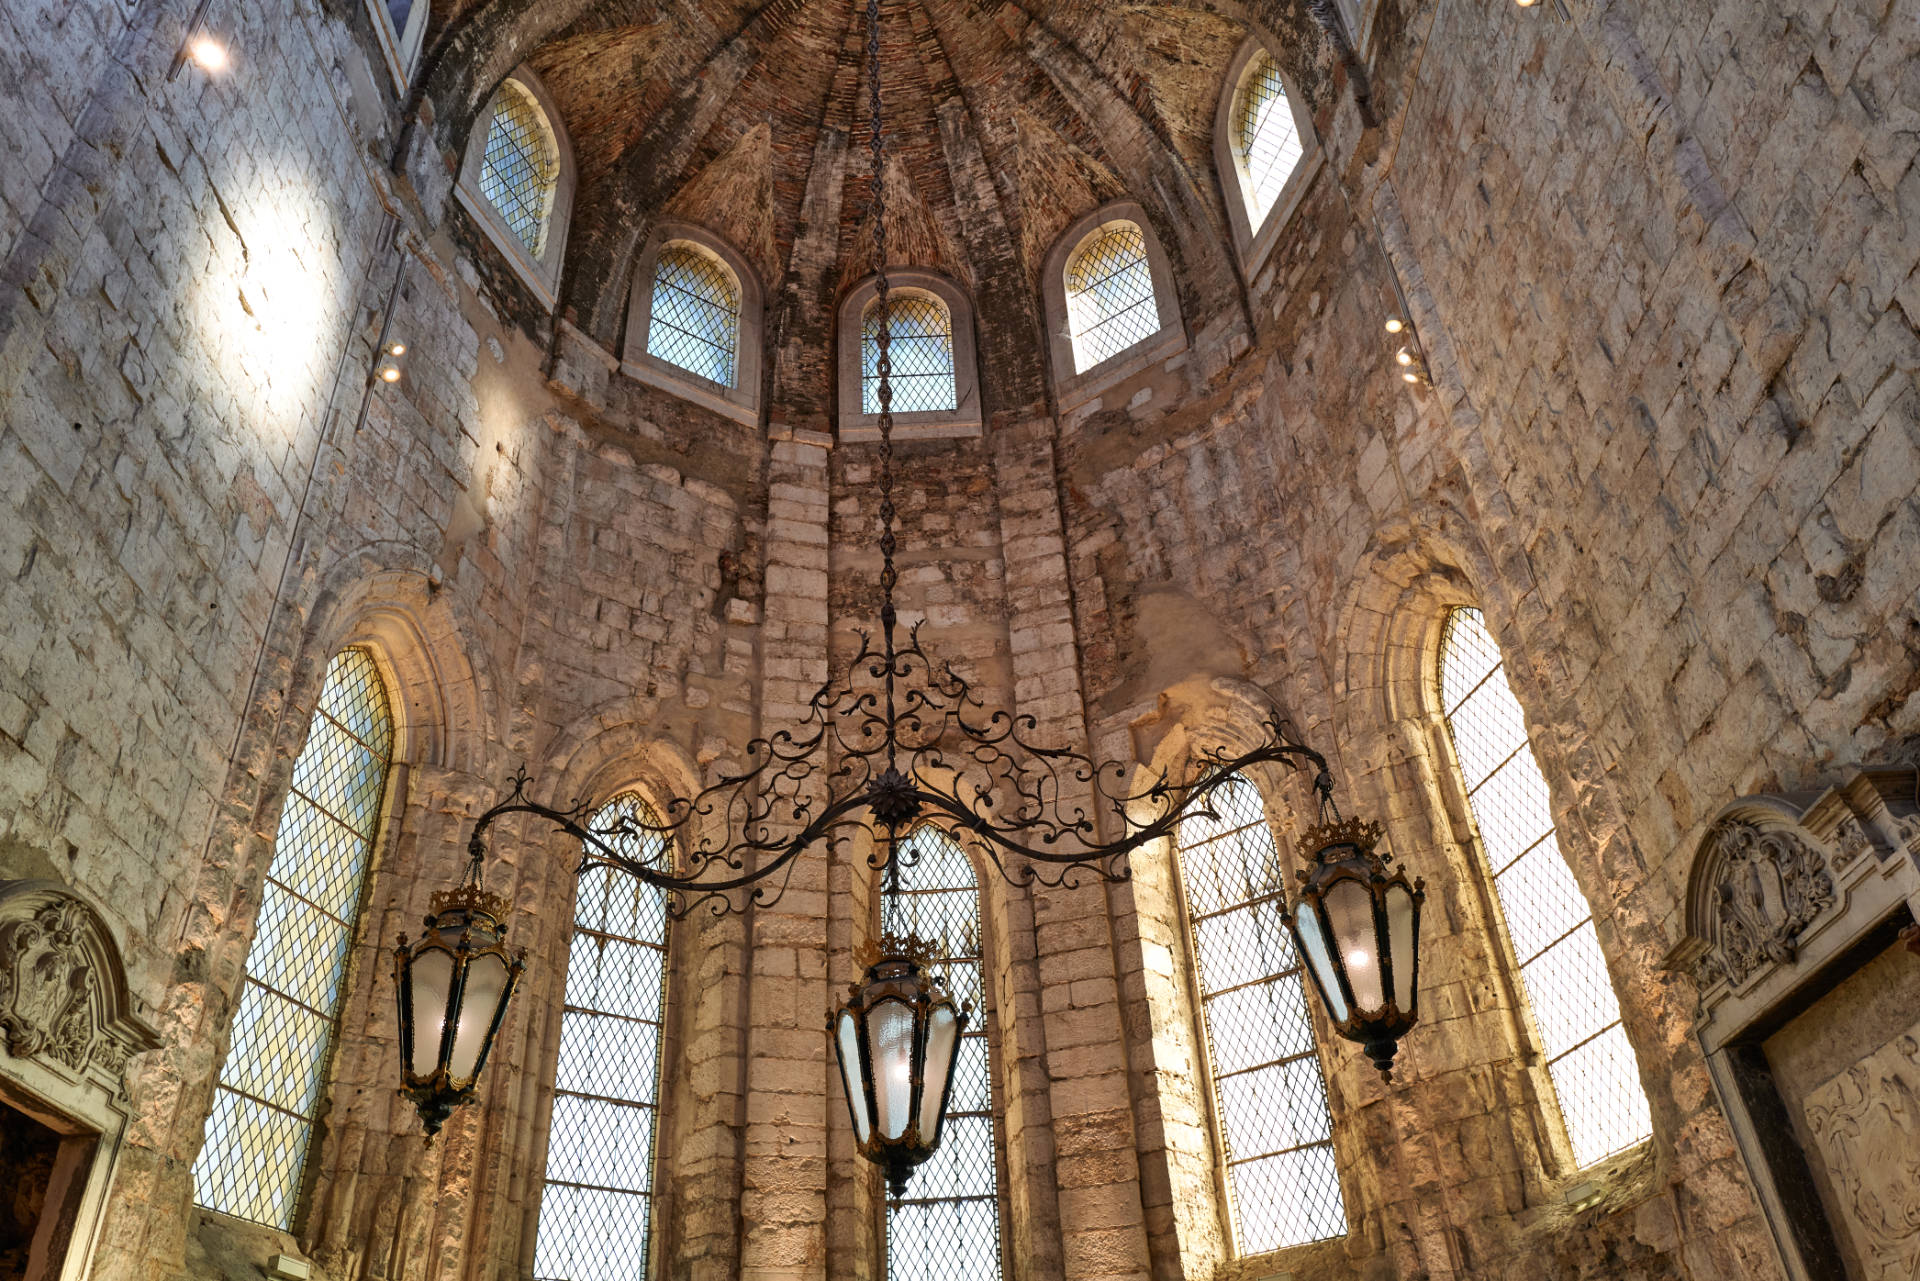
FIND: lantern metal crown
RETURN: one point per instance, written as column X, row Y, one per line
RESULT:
column 895, row 740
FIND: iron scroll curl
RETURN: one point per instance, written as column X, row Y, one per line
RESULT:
column 898, row 739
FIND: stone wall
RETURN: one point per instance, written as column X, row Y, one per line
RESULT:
column 1660, row 263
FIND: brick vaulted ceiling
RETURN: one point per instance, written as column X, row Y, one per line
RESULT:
column 1006, row 122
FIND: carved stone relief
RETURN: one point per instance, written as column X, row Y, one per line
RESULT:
column 63, row 993
column 1867, row 1124
column 1767, row 886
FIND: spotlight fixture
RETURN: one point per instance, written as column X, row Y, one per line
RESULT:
column 209, row 53
column 1403, row 356
column 390, row 373
column 197, row 46
column 397, row 349
column 1395, row 324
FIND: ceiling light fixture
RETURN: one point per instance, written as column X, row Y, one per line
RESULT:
column 897, row 740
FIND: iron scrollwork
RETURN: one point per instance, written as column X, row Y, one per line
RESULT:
column 873, row 757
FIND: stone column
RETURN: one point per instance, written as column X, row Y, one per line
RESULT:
column 1102, row 1225
column 783, row 1200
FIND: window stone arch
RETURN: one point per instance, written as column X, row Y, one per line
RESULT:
column 1161, row 335
column 1258, row 206
column 964, row 418
column 524, row 199
column 650, row 353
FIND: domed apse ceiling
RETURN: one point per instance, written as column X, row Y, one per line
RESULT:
column 1005, row 123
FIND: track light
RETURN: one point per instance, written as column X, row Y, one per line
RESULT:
column 1395, row 324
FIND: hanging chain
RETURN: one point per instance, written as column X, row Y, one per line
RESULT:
column 883, row 368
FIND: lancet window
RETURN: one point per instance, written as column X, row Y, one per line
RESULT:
column 947, row 1227
column 596, row 1202
column 1269, row 1091
column 1266, row 139
column 520, row 168
column 1546, row 917
column 271, row 1086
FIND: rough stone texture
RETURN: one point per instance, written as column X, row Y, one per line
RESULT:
column 1661, row 260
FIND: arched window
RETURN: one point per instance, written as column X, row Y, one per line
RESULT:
column 1110, row 295
column 921, row 352
column 948, row 1224
column 1272, row 1099
column 399, row 28
column 1548, row 920
column 517, row 180
column 270, row 1086
column 1264, row 149
column 520, row 167
column 596, row 1203
column 695, row 313
column 1265, row 139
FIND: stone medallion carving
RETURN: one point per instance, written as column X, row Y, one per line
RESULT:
column 63, row 990
column 1866, row 1122
column 1767, row 885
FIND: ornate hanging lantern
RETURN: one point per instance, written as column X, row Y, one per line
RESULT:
column 453, row 987
column 1358, row 926
column 896, row 1039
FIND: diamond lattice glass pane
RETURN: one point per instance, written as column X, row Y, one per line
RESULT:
column 948, row 1225
column 1548, row 920
column 1289, row 1197
column 520, row 169
column 920, row 350
column 1618, row 1118
column 596, row 1204
column 695, row 319
column 270, row 1084
column 1110, row 303
column 1276, row 1130
column 1267, row 139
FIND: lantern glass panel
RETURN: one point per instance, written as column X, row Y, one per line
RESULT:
column 1320, row 957
column 479, row 1001
column 847, row 1040
column 1350, row 914
column 890, row 1043
column 943, row 1032
column 1400, row 937
column 432, row 976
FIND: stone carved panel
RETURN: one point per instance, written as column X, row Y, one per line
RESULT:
column 1866, row 1122
column 63, row 991
column 1766, row 885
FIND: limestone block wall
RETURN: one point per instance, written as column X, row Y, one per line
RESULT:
column 1659, row 262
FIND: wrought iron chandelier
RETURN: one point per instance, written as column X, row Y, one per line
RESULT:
column 897, row 741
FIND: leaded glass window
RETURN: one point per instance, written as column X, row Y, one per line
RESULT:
column 947, row 1227
column 1548, row 920
column 695, row 321
column 1110, row 303
column 269, row 1092
column 596, row 1205
column 1276, row 1131
column 1265, row 138
column 921, row 350
column 520, row 169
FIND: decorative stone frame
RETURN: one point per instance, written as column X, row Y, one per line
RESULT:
column 965, row 419
column 740, row 402
column 1252, row 243
column 541, row 274
column 1074, row 387
column 68, row 1026
column 400, row 49
column 1823, row 881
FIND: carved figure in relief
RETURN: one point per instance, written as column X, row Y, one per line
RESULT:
column 1770, row 885
column 1867, row 1124
column 1850, row 842
column 46, row 986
